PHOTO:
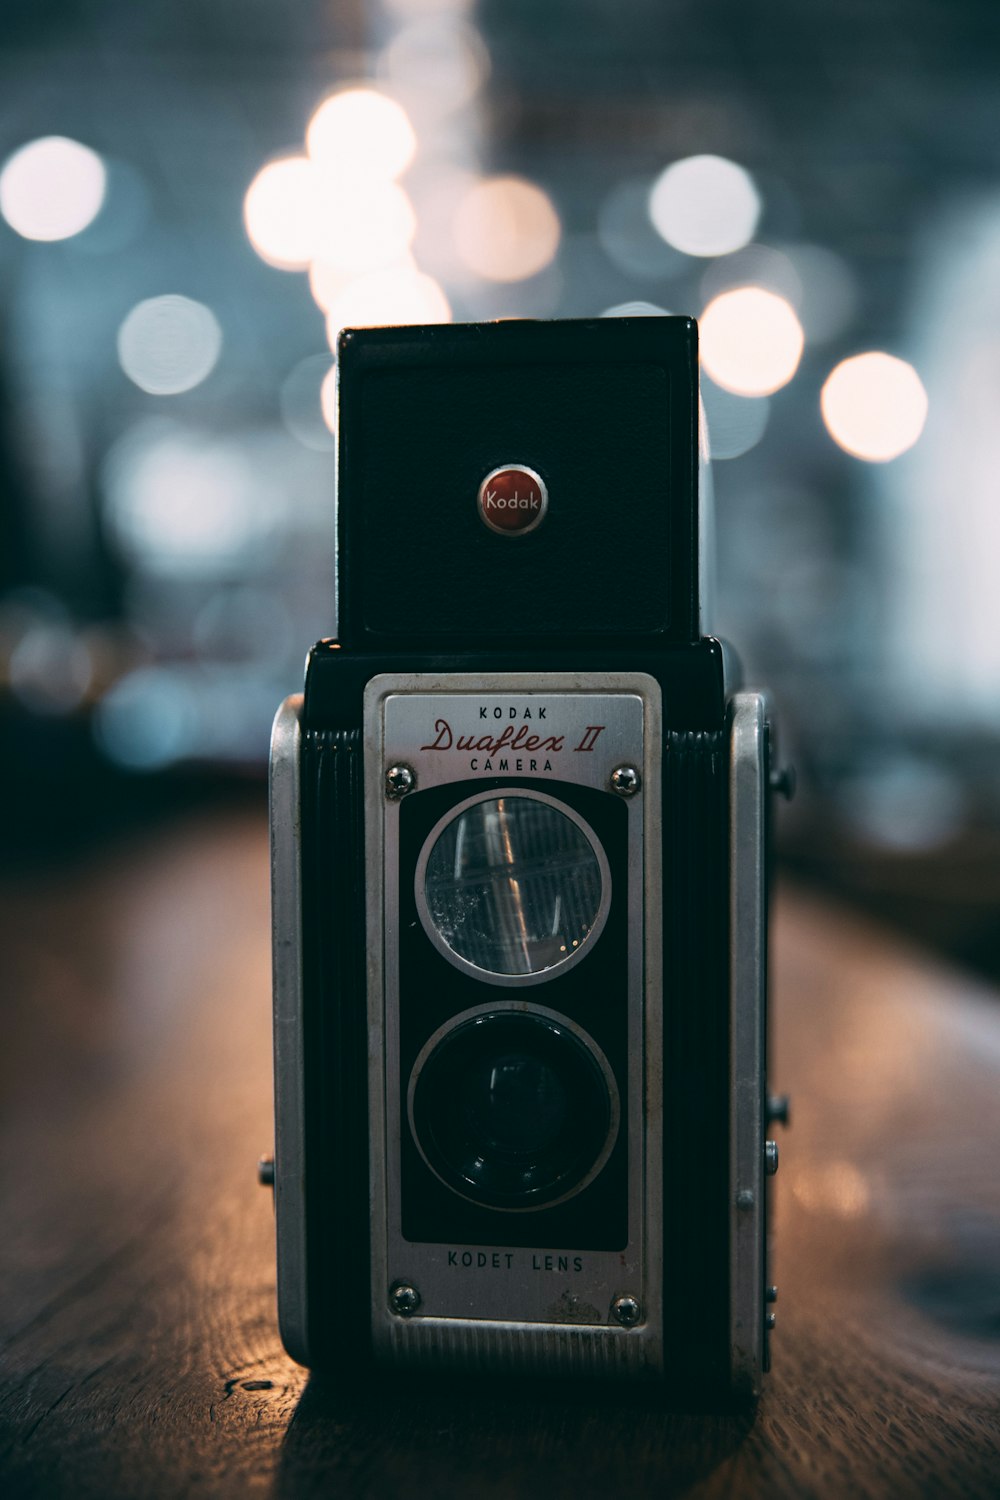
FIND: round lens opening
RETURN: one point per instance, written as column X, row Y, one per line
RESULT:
column 513, row 886
column 513, row 1109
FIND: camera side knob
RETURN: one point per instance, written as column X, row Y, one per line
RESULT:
column 265, row 1171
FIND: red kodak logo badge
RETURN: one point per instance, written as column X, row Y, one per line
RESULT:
column 512, row 499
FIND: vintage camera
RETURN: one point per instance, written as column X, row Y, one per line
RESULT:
column 519, row 826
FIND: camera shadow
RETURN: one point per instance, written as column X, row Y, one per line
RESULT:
column 393, row 1434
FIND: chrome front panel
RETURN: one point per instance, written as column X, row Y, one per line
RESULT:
column 546, row 1309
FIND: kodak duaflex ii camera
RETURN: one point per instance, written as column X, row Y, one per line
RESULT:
column 519, row 824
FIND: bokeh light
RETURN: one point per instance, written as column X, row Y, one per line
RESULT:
column 904, row 802
column 874, row 406
column 506, row 229
column 361, row 226
column 148, row 719
column 165, row 712
column 410, row 9
column 180, row 502
column 836, row 1189
column 52, row 188
column 328, row 398
column 326, row 283
column 50, row 668
column 361, row 133
column 751, row 341
column 245, row 624
column 754, row 265
column 735, row 423
column 705, row 205
column 169, row 344
column 830, row 295
column 436, row 65
column 438, row 188
column 387, row 297
column 627, row 236
column 279, row 212
column 302, row 406
column 638, row 309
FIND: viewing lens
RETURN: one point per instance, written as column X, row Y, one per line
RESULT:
column 513, row 1110
column 513, row 885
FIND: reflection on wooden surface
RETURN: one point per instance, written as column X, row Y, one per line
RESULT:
column 142, row 1357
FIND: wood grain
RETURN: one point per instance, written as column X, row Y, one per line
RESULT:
column 140, row 1354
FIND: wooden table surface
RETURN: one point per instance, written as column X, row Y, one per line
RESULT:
column 140, row 1352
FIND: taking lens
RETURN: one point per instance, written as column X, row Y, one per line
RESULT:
column 513, row 1109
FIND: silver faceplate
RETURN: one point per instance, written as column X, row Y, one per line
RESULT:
column 748, row 938
column 511, row 1307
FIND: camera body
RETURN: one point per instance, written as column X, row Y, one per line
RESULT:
column 519, row 836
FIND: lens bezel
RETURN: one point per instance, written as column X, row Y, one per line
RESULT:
column 550, row 1186
column 492, row 976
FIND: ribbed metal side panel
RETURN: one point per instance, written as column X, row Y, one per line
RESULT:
column 524, row 1349
column 696, row 1053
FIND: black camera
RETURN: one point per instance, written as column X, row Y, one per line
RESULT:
column 519, row 850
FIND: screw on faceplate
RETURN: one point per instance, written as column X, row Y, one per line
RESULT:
column 398, row 781
column 625, row 780
column 404, row 1299
column 626, row 1311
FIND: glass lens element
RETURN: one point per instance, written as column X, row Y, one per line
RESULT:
column 513, row 1110
column 513, row 885
column 514, row 1103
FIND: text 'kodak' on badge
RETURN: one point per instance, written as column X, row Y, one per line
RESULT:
column 512, row 499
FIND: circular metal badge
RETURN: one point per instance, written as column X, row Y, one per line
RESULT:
column 512, row 499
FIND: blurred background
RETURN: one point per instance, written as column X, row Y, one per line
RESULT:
column 195, row 196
